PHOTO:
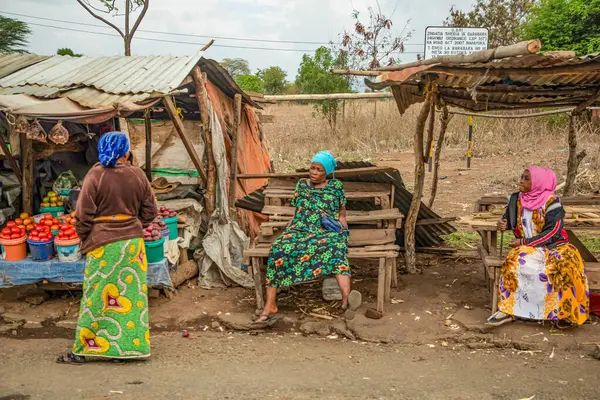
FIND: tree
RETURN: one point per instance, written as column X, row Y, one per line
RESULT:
column 13, row 35
column 65, row 51
column 236, row 66
column 503, row 18
column 372, row 44
column 565, row 25
column 314, row 77
column 112, row 7
column 274, row 79
column 250, row 83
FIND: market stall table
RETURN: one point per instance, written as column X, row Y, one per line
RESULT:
column 28, row 272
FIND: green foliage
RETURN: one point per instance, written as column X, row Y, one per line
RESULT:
column 565, row 25
column 113, row 7
column 13, row 35
column 461, row 240
column 250, row 83
column 274, row 79
column 65, row 51
column 503, row 18
column 314, row 77
column 236, row 66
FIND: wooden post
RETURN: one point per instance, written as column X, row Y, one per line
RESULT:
column 258, row 282
column 375, row 110
column 237, row 121
column 438, row 153
column 470, row 142
column 430, row 131
column 148, row 126
column 381, row 282
column 415, row 205
column 27, row 167
column 178, row 123
column 343, row 111
column 11, row 160
column 202, row 99
column 574, row 159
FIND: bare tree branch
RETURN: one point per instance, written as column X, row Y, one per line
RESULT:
column 101, row 19
column 139, row 19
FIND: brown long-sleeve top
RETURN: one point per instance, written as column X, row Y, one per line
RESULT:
column 123, row 190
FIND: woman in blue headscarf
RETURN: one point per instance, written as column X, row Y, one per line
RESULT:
column 115, row 203
column 315, row 243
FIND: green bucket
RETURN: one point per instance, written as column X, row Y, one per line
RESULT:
column 172, row 225
column 155, row 251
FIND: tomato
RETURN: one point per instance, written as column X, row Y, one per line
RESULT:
column 6, row 231
column 34, row 239
column 55, row 221
column 5, row 237
column 73, row 237
column 34, row 233
column 65, row 227
column 47, row 229
column 39, row 228
column 55, row 227
column 18, row 221
column 11, row 224
column 70, row 232
column 48, row 240
column 24, row 215
column 48, row 222
column 23, row 232
column 28, row 221
column 30, row 227
column 15, row 236
column 15, row 230
column 43, row 235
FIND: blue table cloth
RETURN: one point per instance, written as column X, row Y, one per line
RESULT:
column 28, row 272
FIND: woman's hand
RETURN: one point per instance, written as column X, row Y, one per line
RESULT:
column 502, row 224
column 515, row 243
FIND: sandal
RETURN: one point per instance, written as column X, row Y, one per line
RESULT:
column 70, row 358
column 268, row 321
column 499, row 318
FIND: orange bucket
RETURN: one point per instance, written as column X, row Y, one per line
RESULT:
column 15, row 249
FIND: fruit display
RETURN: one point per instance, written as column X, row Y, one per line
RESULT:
column 153, row 232
column 14, row 230
column 67, row 232
column 52, row 200
column 68, row 219
column 43, row 231
column 165, row 212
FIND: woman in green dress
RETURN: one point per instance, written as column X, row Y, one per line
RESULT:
column 315, row 243
column 115, row 203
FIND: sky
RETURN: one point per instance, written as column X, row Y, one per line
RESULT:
column 281, row 20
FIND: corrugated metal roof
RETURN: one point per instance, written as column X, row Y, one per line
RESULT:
column 425, row 235
column 523, row 82
column 12, row 62
column 116, row 75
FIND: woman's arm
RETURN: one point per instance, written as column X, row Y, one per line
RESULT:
column 148, row 211
column 85, row 211
column 553, row 227
column 343, row 214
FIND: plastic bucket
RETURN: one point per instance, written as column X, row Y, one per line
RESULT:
column 15, row 249
column 41, row 251
column 68, row 250
column 172, row 225
column 155, row 251
column 55, row 211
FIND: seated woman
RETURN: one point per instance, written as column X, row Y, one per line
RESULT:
column 315, row 242
column 543, row 277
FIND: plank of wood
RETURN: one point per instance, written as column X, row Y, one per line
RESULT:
column 271, row 193
column 278, row 210
column 592, row 271
column 235, row 134
column 435, row 221
column 290, row 184
column 357, row 253
column 342, row 173
column 384, row 247
column 381, row 285
column 585, row 253
column 373, row 237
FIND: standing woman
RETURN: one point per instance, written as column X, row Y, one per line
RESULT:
column 115, row 203
column 543, row 276
column 315, row 243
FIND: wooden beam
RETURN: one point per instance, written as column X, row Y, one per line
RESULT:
column 330, row 96
column 27, row 168
column 581, row 108
column 438, row 154
column 430, row 130
column 207, row 45
column 518, row 49
column 203, row 104
column 148, row 127
column 178, row 123
column 354, row 72
column 237, row 121
column 340, row 173
column 512, row 116
column 11, row 160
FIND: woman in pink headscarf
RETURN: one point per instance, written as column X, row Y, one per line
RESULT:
column 543, row 276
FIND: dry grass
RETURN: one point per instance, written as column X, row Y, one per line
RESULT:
column 298, row 133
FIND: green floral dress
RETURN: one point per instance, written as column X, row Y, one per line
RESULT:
column 305, row 250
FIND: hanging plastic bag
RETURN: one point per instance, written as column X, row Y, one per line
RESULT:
column 59, row 134
column 21, row 125
column 36, row 132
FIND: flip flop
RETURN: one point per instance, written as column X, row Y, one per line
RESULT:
column 70, row 358
column 266, row 323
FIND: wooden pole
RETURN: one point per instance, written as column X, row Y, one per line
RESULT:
column 148, row 126
column 415, row 205
column 202, row 98
column 27, row 166
column 344, row 111
column 375, row 110
column 470, row 142
column 430, row 130
column 178, row 123
column 574, row 159
column 237, row 121
column 438, row 153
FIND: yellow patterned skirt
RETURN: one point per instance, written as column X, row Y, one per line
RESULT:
column 543, row 284
column 113, row 317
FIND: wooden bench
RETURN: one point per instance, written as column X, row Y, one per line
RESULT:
column 372, row 233
column 492, row 257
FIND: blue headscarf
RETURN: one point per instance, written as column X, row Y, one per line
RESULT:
column 326, row 160
column 111, row 147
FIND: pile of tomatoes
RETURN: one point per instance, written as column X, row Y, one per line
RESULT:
column 67, row 232
column 13, row 231
column 43, row 231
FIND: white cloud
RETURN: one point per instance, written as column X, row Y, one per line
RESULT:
column 296, row 20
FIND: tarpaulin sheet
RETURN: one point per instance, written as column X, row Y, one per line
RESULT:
column 28, row 272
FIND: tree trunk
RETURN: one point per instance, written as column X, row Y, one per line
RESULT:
column 430, row 131
column 148, row 127
column 413, row 212
column 574, row 160
column 438, row 153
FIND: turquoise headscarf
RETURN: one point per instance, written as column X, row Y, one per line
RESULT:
column 326, row 160
column 111, row 147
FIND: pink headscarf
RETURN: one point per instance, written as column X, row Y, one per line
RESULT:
column 543, row 184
